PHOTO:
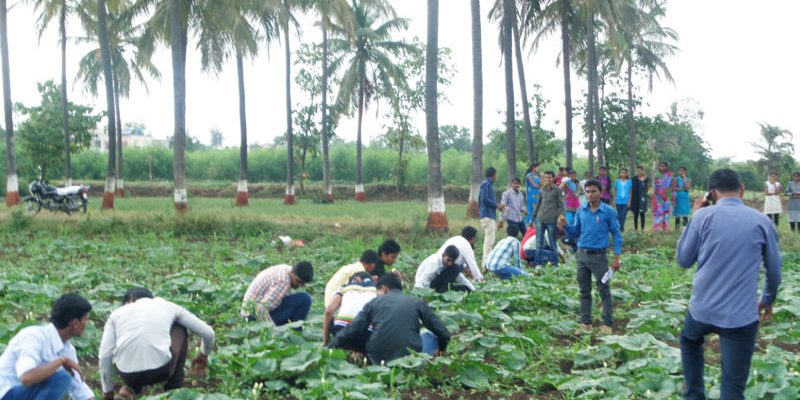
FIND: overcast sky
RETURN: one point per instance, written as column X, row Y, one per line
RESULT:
column 738, row 61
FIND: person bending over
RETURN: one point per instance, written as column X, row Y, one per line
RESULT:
column 148, row 341
column 369, row 259
column 349, row 300
column 268, row 299
column 441, row 273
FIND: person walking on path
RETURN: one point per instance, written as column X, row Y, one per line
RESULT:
column 594, row 221
column 729, row 242
column 147, row 338
column 793, row 191
column 640, row 185
column 514, row 202
column 533, row 182
column 487, row 209
column 662, row 192
column 683, row 206
column 622, row 196
column 549, row 210
column 772, row 198
column 40, row 362
column 268, row 299
column 572, row 192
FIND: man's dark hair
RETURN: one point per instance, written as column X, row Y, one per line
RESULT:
column 681, row 168
column 452, row 252
column 68, row 307
column 366, row 279
column 530, row 167
column 551, row 173
column 773, row 173
column 516, row 180
column 369, row 257
column 639, row 167
column 561, row 169
column 469, row 232
column 490, row 172
column 389, row 246
column 595, row 183
column 390, row 281
column 304, row 271
column 623, row 169
column 664, row 163
column 136, row 293
column 602, row 167
column 724, row 180
column 512, row 230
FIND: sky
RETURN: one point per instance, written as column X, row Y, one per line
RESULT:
column 735, row 62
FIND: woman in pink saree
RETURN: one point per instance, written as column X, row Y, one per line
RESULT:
column 662, row 197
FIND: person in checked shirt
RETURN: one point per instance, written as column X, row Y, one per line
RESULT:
column 514, row 202
column 268, row 299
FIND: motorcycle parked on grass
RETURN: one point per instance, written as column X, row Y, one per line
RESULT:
column 70, row 199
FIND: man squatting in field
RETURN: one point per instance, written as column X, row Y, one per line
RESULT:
column 268, row 299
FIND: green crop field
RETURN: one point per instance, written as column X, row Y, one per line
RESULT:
column 511, row 339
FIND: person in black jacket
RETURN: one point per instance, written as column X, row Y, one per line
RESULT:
column 395, row 320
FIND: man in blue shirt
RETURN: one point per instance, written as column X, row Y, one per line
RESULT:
column 593, row 221
column 487, row 209
column 729, row 242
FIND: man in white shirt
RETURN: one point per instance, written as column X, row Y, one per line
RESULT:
column 466, row 253
column 148, row 341
column 40, row 362
column 366, row 263
column 441, row 273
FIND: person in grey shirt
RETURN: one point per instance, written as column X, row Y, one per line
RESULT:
column 729, row 242
column 547, row 213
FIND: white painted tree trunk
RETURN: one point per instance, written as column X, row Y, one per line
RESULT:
column 12, row 185
column 242, row 185
column 109, row 188
column 180, row 196
column 436, row 205
column 290, row 190
column 359, row 188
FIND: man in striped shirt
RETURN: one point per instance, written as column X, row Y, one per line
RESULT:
column 514, row 202
column 504, row 259
column 268, row 299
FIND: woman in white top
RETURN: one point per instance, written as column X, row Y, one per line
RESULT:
column 148, row 341
column 772, row 198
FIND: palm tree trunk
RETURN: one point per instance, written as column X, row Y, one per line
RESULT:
column 326, row 163
column 511, row 151
column 526, row 114
column 601, row 128
column 593, row 86
column 590, row 110
column 477, row 111
column 108, row 193
column 360, row 195
column 400, row 168
column 566, row 54
column 289, row 198
column 178, row 42
column 12, row 187
column 62, row 27
column 437, row 217
column 303, row 171
column 242, row 195
column 631, row 121
column 120, row 164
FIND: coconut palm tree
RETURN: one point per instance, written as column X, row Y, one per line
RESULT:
column 437, row 218
column 48, row 10
column 509, row 12
column 103, row 38
column 477, row 110
column 126, row 64
column 366, row 54
column 12, row 187
column 286, row 19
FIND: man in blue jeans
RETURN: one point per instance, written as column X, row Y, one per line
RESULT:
column 547, row 213
column 40, row 362
column 729, row 241
column 268, row 297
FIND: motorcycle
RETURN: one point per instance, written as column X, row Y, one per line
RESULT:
column 70, row 199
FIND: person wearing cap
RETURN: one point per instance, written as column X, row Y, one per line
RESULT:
column 348, row 301
column 441, row 273
column 465, row 243
column 147, row 339
column 40, row 362
column 366, row 263
column 395, row 319
column 268, row 297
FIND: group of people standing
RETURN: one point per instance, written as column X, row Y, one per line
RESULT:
column 773, row 206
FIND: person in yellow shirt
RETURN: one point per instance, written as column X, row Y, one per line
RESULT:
column 366, row 263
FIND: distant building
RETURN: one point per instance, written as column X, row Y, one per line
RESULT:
column 131, row 137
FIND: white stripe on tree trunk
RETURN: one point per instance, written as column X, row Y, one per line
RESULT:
column 436, row 205
column 242, row 185
column 290, row 190
column 109, row 184
column 12, row 185
column 359, row 188
column 180, row 196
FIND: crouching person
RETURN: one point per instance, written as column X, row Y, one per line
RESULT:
column 395, row 319
column 268, row 299
column 40, row 362
column 349, row 300
column 441, row 273
column 147, row 338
